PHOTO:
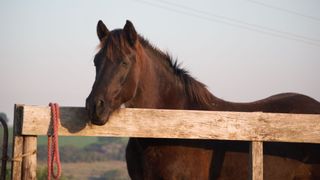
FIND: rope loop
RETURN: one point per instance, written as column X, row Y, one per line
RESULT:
column 53, row 144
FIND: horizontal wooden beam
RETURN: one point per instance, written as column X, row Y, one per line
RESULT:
column 155, row 123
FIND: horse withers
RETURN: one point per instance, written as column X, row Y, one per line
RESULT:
column 131, row 71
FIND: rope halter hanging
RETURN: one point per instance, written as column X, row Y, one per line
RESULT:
column 53, row 144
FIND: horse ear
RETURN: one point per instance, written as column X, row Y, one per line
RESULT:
column 102, row 30
column 130, row 33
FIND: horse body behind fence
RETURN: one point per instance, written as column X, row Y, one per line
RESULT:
column 130, row 71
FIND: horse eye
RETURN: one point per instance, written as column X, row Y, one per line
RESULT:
column 124, row 63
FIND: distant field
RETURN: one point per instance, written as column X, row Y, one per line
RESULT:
column 9, row 131
column 93, row 170
column 76, row 141
column 111, row 170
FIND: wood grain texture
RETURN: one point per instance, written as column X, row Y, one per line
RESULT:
column 256, row 160
column 29, row 162
column 156, row 123
column 17, row 151
column 17, row 146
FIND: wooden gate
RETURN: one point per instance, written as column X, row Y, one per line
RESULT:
column 257, row 127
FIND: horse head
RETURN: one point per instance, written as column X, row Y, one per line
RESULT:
column 117, row 71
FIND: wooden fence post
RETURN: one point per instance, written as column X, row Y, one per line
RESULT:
column 24, row 157
column 29, row 161
column 256, row 160
column 17, row 146
column 16, row 165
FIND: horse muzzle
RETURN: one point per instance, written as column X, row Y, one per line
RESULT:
column 98, row 111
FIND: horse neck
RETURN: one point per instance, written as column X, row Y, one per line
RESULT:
column 160, row 86
column 157, row 87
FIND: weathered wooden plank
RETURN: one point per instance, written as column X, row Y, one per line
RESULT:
column 29, row 162
column 17, row 146
column 17, row 151
column 255, row 126
column 256, row 160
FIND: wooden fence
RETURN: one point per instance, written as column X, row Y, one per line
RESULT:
column 31, row 121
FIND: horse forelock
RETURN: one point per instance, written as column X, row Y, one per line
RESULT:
column 114, row 44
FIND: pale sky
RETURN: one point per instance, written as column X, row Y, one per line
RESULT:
column 243, row 50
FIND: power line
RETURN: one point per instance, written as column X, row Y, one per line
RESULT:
column 229, row 21
column 237, row 21
column 285, row 10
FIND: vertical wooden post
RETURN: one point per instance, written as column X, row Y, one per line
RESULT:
column 16, row 157
column 256, row 160
column 29, row 162
column 17, row 149
column 24, row 158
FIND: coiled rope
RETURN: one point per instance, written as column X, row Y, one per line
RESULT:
column 53, row 144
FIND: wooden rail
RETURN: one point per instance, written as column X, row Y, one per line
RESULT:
column 31, row 121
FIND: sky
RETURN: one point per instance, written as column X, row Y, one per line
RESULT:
column 243, row 50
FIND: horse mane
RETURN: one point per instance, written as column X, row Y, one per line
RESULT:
column 195, row 90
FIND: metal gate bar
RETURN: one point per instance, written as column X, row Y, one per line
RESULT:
column 4, row 149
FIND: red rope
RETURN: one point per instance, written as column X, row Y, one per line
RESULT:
column 53, row 144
